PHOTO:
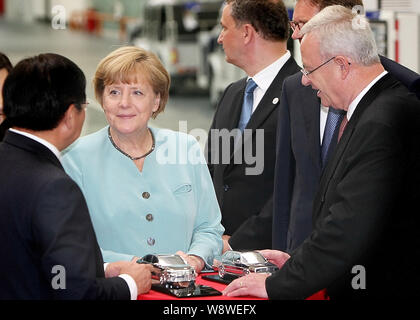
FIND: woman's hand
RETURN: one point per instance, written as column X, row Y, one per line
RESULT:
column 196, row 262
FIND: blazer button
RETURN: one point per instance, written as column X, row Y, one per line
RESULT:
column 226, row 187
column 151, row 242
column 149, row 217
column 145, row 195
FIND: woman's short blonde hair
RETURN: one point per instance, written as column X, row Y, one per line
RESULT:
column 126, row 64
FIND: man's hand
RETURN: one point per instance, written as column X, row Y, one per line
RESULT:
column 141, row 273
column 277, row 257
column 113, row 269
column 250, row 285
column 196, row 262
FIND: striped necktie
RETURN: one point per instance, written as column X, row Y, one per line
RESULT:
column 334, row 119
column 247, row 104
column 342, row 127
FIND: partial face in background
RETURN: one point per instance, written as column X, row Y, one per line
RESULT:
column 3, row 75
column 303, row 12
column 129, row 106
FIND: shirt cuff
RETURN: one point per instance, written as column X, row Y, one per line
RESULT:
column 131, row 285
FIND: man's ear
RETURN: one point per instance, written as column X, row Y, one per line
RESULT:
column 344, row 65
column 248, row 32
column 69, row 116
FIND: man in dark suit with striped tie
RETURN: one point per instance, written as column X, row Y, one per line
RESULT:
column 254, row 37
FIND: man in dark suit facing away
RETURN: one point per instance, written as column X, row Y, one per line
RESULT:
column 49, row 248
column 364, row 241
column 254, row 37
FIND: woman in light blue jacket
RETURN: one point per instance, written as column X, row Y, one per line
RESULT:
column 148, row 190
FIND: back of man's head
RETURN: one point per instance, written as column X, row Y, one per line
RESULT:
column 5, row 62
column 321, row 4
column 268, row 17
column 39, row 90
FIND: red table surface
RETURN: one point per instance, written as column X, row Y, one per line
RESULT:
column 155, row 295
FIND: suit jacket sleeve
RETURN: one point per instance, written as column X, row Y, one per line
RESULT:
column 66, row 239
column 362, row 191
column 284, row 176
column 408, row 78
column 255, row 232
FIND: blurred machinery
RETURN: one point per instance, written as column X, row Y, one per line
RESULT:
column 403, row 31
column 184, row 35
column 176, row 32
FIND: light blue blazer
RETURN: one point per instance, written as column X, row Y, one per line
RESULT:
column 169, row 206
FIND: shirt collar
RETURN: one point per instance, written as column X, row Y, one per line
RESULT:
column 45, row 143
column 356, row 101
column 265, row 77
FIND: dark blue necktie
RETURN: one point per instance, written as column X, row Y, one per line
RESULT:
column 334, row 119
column 247, row 105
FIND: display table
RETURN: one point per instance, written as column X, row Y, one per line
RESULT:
column 154, row 295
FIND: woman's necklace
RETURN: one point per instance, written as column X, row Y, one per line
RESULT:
column 126, row 154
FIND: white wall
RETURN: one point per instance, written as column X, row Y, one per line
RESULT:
column 409, row 35
column 29, row 10
column 370, row 5
column 19, row 10
column 72, row 5
column 416, row 6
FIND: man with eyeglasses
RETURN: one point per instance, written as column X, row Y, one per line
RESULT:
column 303, row 145
column 366, row 207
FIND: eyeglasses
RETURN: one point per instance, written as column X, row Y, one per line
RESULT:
column 83, row 105
column 296, row 25
column 306, row 73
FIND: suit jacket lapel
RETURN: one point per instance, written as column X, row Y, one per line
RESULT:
column 270, row 100
column 23, row 142
column 230, row 120
column 329, row 171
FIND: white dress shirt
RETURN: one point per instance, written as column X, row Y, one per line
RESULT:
column 265, row 77
column 45, row 143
